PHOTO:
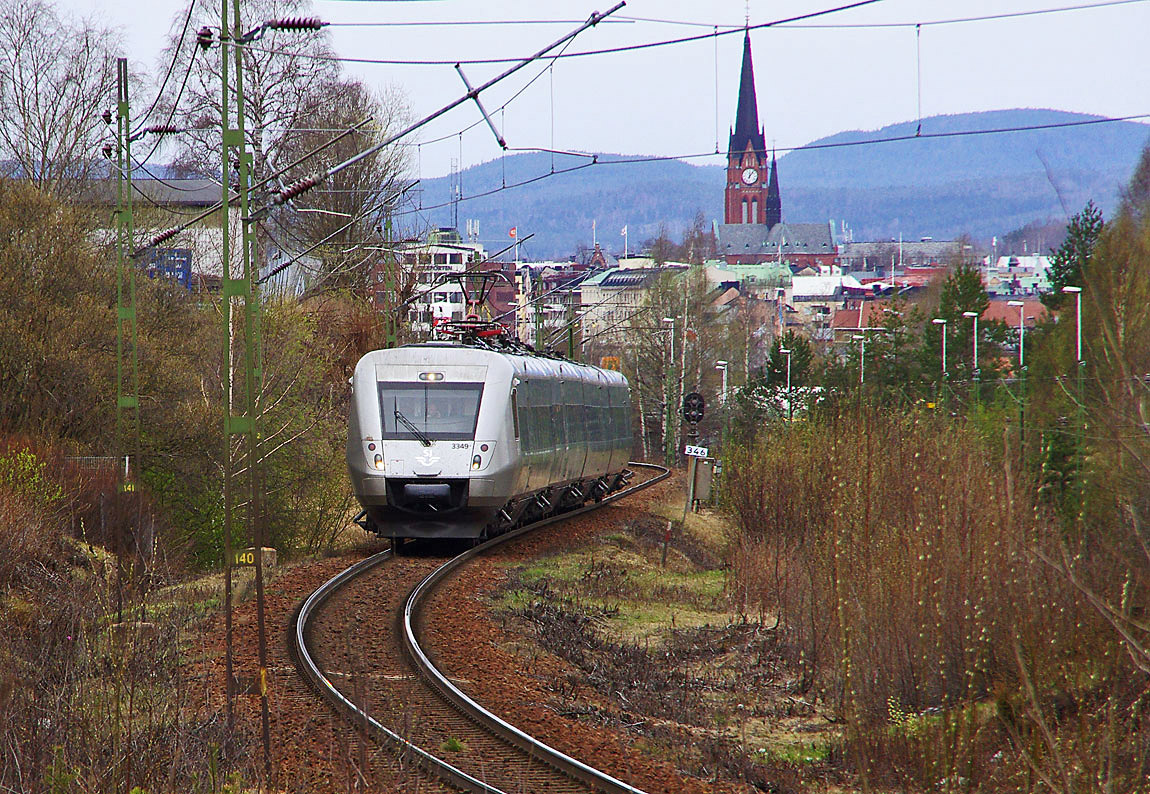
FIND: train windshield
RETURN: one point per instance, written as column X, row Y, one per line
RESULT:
column 429, row 411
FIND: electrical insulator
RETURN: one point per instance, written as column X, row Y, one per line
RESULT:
column 299, row 187
column 296, row 23
column 107, row 150
column 106, row 116
column 164, row 236
column 204, row 37
column 162, row 129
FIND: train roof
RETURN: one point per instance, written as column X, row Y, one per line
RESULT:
column 526, row 361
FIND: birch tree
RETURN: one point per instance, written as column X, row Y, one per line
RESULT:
column 57, row 77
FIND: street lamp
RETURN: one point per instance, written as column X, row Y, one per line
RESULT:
column 790, row 403
column 671, row 320
column 1021, row 332
column 1077, row 293
column 722, row 365
column 668, row 419
column 1021, row 371
column 974, row 366
column 974, row 371
column 861, row 339
column 942, row 322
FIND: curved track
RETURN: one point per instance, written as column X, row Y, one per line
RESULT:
column 529, row 758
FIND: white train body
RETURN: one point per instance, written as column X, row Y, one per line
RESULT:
column 450, row 440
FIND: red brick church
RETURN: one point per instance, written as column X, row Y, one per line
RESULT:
column 753, row 230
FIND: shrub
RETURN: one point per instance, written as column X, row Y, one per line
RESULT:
column 902, row 556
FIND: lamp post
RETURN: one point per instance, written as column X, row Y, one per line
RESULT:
column 942, row 322
column 1021, row 371
column 790, row 402
column 722, row 365
column 1021, row 333
column 1077, row 293
column 861, row 339
column 974, row 371
column 1079, row 363
column 671, row 321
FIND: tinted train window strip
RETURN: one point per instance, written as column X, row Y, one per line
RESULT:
column 439, row 411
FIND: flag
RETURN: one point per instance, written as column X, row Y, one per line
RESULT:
column 512, row 231
column 624, row 231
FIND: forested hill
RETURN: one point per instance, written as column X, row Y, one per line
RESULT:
column 938, row 184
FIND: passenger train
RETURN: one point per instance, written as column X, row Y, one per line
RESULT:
column 466, row 439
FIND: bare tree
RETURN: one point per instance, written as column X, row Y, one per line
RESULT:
column 56, row 78
column 294, row 102
column 349, row 211
column 280, row 77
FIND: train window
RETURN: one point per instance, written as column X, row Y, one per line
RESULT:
column 435, row 411
column 515, row 412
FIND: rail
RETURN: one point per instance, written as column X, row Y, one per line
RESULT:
column 509, row 733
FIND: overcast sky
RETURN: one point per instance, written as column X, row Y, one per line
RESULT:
column 812, row 80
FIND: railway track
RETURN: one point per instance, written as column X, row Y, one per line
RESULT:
column 413, row 707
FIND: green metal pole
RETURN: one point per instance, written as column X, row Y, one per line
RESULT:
column 244, row 291
column 226, row 292
column 253, row 378
column 127, row 358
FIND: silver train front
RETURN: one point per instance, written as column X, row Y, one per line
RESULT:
column 447, row 440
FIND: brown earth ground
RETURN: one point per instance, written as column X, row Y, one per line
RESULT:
column 688, row 696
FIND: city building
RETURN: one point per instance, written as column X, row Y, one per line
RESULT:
column 429, row 263
column 614, row 298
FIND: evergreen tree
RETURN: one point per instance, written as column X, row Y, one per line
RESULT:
column 1068, row 262
column 802, row 357
column 962, row 291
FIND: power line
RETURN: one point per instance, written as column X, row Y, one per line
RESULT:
column 788, row 23
column 584, row 53
column 467, row 23
column 175, row 105
column 171, row 68
column 596, row 160
column 472, row 94
column 867, row 25
column 964, row 20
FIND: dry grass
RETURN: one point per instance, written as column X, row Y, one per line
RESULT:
column 901, row 556
column 85, row 706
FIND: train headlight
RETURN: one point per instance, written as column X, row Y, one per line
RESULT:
column 476, row 462
column 378, row 461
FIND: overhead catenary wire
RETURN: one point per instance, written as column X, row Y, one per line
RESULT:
column 175, row 105
column 380, row 205
column 170, row 233
column 586, row 53
column 320, row 177
column 171, row 68
column 601, row 160
column 791, row 23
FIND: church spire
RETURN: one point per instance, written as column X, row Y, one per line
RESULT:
column 747, row 130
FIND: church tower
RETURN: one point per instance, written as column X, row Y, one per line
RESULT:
column 752, row 193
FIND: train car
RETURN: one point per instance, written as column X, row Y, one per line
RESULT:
column 457, row 440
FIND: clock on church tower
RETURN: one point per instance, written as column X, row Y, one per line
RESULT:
column 752, row 193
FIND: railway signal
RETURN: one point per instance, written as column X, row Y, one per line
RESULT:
column 694, row 406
